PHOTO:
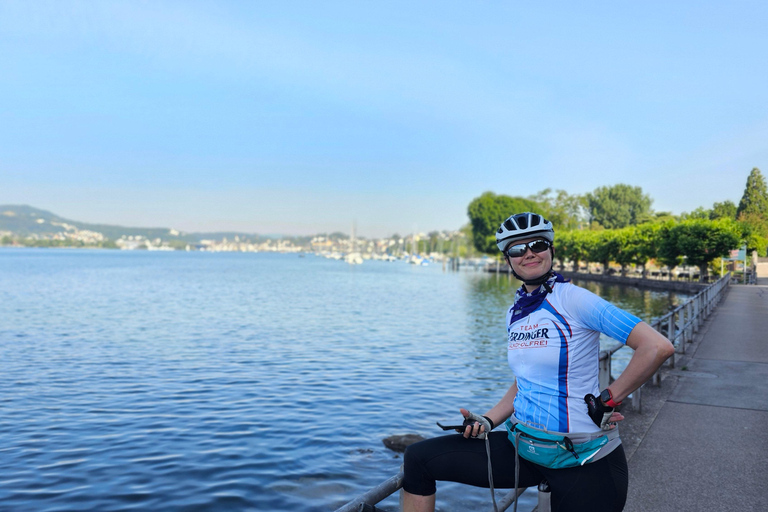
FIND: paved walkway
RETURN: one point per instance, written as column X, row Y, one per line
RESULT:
column 707, row 449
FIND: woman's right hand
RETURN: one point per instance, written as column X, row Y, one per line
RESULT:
column 473, row 428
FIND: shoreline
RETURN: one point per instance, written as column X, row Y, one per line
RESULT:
column 638, row 282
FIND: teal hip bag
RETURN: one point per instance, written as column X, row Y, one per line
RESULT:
column 559, row 450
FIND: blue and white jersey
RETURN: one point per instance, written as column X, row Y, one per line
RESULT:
column 554, row 354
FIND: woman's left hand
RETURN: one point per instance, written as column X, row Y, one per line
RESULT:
column 616, row 416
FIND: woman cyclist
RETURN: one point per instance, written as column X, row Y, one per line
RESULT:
column 563, row 425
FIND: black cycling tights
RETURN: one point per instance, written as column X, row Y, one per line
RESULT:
column 599, row 486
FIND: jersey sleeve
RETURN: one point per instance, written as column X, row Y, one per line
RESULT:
column 600, row 315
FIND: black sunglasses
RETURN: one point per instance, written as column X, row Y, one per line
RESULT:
column 517, row 250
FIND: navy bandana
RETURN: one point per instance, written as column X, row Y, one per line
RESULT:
column 526, row 303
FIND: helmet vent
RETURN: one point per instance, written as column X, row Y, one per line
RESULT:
column 522, row 226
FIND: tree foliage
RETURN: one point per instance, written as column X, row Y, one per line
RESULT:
column 698, row 213
column 626, row 247
column 697, row 241
column 643, row 243
column 755, row 198
column 724, row 210
column 467, row 248
column 667, row 250
column 701, row 241
column 618, row 206
column 754, row 232
column 752, row 213
column 604, row 247
column 575, row 246
column 487, row 212
column 623, row 229
column 564, row 210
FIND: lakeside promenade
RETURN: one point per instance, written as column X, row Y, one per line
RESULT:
column 706, row 443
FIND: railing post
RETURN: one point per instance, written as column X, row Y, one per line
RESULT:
column 604, row 375
column 697, row 313
column 681, row 327
column 544, row 497
column 671, row 337
column 705, row 305
column 637, row 397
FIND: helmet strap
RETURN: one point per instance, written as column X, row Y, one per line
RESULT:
column 541, row 280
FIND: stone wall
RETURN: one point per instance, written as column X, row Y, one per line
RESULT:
column 656, row 284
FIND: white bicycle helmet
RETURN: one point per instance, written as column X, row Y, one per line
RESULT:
column 524, row 225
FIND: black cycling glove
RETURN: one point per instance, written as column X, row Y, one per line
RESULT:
column 599, row 412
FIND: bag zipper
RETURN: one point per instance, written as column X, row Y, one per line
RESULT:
column 567, row 441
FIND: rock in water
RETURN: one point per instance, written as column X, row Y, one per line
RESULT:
column 399, row 443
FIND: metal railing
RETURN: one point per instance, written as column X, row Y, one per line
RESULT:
column 678, row 326
column 375, row 495
column 392, row 485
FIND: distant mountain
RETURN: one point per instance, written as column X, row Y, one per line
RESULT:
column 23, row 221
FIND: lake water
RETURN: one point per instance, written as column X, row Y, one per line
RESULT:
column 225, row 381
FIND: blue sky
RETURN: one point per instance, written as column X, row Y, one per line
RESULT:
column 304, row 117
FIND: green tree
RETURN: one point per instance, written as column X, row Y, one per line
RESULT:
column 627, row 247
column 178, row 245
column 643, row 244
column 698, row 213
column 752, row 213
column 755, row 198
column 464, row 247
column 565, row 211
column 562, row 242
column 573, row 246
column 487, row 212
column 724, row 210
column 754, row 232
column 605, row 247
column 618, row 206
column 668, row 251
column 662, row 217
column 434, row 237
column 701, row 241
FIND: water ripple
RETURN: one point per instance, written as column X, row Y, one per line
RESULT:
column 200, row 382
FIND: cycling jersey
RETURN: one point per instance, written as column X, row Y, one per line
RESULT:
column 554, row 352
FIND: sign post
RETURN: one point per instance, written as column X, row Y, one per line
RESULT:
column 737, row 255
column 745, row 262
